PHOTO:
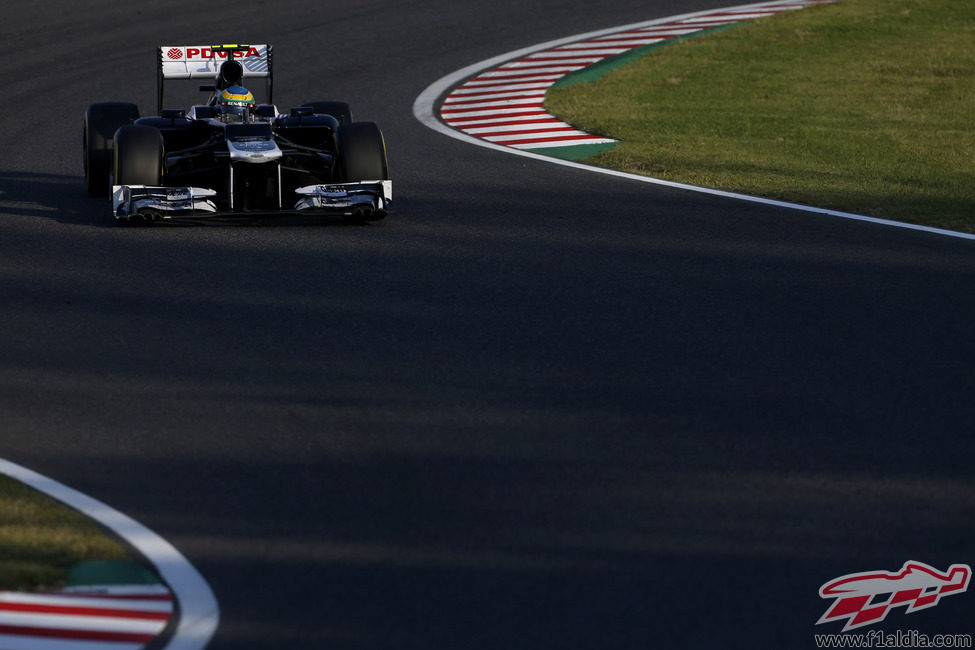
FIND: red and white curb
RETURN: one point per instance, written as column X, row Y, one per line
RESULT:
column 112, row 618
column 127, row 624
column 427, row 109
column 504, row 104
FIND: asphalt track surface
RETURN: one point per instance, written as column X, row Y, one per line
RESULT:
column 536, row 408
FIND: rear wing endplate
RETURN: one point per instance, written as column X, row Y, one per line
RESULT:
column 203, row 62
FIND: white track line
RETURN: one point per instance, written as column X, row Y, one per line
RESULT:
column 198, row 610
column 424, row 109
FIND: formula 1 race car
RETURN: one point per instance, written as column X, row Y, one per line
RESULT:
column 232, row 156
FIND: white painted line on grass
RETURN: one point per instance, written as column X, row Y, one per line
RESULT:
column 199, row 613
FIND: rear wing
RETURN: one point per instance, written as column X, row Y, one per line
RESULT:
column 203, row 62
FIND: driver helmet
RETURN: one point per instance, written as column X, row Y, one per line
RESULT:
column 236, row 104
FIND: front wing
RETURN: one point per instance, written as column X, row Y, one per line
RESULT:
column 364, row 199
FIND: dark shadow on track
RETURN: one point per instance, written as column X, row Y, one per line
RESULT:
column 537, row 410
column 59, row 197
column 572, row 431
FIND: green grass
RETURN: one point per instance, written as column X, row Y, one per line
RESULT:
column 40, row 539
column 863, row 106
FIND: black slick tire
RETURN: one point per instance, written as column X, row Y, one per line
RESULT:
column 138, row 156
column 101, row 122
column 361, row 153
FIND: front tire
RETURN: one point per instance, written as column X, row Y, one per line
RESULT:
column 101, row 122
column 361, row 153
column 138, row 156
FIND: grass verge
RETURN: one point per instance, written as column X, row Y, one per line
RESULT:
column 40, row 539
column 864, row 106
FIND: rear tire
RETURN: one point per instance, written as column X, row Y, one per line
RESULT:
column 138, row 156
column 338, row 110
column 101, row 122
column 361, row 153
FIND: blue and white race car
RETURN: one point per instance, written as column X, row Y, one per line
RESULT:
column 231, row 155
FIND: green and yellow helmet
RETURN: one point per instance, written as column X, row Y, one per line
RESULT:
column 236, row 104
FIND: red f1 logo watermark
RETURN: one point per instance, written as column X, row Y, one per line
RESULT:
column 866, row 598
